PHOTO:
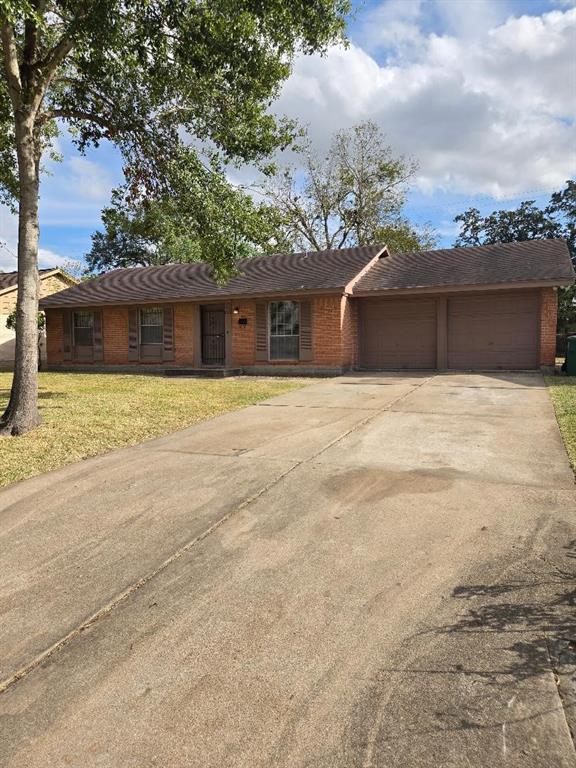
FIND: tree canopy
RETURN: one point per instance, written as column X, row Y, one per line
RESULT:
column 169, row 82
column 200, row 217
column 351, row 195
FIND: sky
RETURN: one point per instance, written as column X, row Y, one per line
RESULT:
column 481, row 93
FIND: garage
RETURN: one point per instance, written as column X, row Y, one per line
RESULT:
column 493, row 331
column 488, row 307
column 466, row 331
column 397, row 333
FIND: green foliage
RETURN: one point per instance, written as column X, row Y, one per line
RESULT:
column 352, row 195
column 11, row 321
column 528, row 222
column 402, row 237
column 201, row 216
column 160, row 79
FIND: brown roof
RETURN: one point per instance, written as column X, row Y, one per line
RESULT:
column 322, row 271
column 534, row 261
column 10, row 279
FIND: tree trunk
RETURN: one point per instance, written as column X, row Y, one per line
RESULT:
column 22, row 413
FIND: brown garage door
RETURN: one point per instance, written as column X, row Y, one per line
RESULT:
column 397, row 334
column 493, row 331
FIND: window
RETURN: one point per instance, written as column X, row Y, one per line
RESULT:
column 83, row 329
column 151, row 325
column 284, row 330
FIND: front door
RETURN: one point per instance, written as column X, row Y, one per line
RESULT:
column 213, row 335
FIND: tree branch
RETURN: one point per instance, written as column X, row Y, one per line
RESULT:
column 11, row 68
column 76, row 114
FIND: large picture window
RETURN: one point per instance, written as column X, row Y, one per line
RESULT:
column 151, row 325
column 284, row 330
column 83, row 329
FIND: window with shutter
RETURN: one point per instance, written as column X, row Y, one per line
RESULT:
column 83, row 335
column 284, row 330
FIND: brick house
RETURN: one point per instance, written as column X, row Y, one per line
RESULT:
column 488, row 307
column 51, row 281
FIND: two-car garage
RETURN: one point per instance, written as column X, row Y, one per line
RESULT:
column 499, row 330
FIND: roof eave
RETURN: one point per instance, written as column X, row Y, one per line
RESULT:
column 459, row 288
column 337, row 291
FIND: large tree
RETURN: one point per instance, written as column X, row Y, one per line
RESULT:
column 557, row 219
column 351, row 195
column 148, row 75
column 202, row 216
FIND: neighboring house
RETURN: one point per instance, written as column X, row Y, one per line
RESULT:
column 491, row 307
column 51, row 281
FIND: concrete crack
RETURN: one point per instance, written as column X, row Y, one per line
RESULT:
column 106, row 609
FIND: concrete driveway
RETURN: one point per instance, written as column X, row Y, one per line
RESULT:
column 376, row 570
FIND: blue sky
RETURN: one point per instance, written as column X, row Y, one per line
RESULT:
column 482, row 93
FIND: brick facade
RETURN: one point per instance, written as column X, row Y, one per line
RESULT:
column 330, row 324
column 334, row 335
column 115, row 337
column 333, row 330
column 244, row 336
column 548, row 321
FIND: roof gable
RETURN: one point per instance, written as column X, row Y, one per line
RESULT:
column 532, row 261
column 9, row 280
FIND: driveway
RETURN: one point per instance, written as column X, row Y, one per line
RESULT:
column 376, row 570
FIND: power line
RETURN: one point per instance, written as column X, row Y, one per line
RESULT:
column 4, row 245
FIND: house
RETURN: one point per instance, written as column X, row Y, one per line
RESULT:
column 487, row 307
column 51, row 281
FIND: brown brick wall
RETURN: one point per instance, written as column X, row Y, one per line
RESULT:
column 548, row 320
column 115, row 336
column 349, row 319
column 54, row 336
column 328, row 315
column 184, row 334
column 335, row 333
column 244, row 336
column 327, row 331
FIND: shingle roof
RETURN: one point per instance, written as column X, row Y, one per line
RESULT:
column 534, row 261
column 10, row 279
column 263, row 275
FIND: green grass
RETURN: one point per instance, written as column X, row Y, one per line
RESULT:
column 563, row 394
column 90, row 414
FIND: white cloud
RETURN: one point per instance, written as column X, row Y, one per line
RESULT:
column 75, row 190
column 93, row 181
column 9, row 246
column 491, row 114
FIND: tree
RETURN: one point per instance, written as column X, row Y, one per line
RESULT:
column 201, row 217
column 529, row 222
column 352, row 195
column 11, row 321
column 40, row 325
column 149, row 77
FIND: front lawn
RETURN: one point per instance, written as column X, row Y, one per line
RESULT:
column 563, row 394
column 89, row 414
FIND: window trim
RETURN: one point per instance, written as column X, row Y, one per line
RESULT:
column 293, row 335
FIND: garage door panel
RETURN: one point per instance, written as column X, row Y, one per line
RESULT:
column 493, row 331
column 398, row 334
